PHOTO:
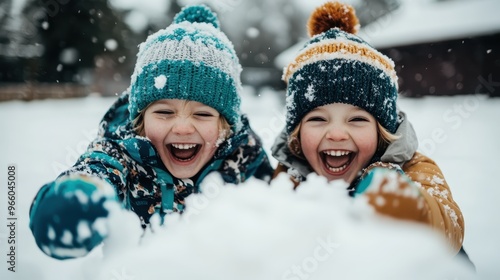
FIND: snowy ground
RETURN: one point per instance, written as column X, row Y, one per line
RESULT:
column 461, row 133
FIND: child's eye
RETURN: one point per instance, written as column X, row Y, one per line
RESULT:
column 204, row 114
column 359, row 119
column 164, row 112
column 315, row 119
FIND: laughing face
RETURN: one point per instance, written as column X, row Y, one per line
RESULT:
column 338, row 140
column 185, row 134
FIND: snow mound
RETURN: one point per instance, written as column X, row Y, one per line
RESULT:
column 259, row 231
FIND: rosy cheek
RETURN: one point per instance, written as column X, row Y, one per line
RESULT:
column 149, row 132
column 305, row 145
column 153, row 133
column 308, row 138
column 210, row 133
column 368, row 146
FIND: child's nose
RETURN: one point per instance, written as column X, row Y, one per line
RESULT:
column 337, row 133
column 183, row 126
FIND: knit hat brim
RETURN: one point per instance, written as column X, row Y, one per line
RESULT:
column 341, row 81
column 187, row 80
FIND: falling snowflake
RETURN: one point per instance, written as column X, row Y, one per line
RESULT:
column 111, row 44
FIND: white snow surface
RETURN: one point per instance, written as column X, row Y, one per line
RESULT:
column 255, row 231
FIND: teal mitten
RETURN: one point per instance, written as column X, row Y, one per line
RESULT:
column 68, row 217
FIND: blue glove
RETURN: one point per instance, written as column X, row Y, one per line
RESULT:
column 69, row 216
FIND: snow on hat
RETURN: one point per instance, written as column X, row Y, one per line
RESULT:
column 192, row 59
column 336, row 66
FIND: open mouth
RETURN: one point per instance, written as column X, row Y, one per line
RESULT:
column 184, row 152
column 337, row 161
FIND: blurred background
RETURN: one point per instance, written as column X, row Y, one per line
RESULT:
column 68, row 48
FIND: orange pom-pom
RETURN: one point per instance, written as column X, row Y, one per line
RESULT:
column 330, row 15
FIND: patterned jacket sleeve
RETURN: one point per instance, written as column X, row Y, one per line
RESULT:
column 106, row 160
column 444, row 213
column 67, row 216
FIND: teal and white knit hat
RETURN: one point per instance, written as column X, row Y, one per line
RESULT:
column 192, row 59
column 336, row 66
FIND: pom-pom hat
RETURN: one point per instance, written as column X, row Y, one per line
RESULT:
column 192, row 59
column 336, row 66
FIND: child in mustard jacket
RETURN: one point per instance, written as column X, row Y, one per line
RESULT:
column 342, row 123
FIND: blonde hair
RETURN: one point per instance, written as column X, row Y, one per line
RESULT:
column 383, row 135
column 138, row 125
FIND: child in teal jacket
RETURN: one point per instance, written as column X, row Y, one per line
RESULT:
column 179, row 120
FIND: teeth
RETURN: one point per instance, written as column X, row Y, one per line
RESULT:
column 338, row 169
column 183, row 146
column 337, row 153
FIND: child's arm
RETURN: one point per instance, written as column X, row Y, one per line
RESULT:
column 421, row 194
column 68, row 217
column 444, row 213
